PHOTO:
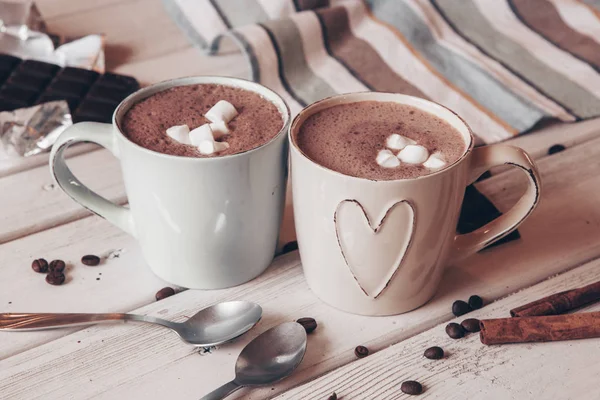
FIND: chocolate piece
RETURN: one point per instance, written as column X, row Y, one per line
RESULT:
column 19, row 93
column 33, row 82
column 96, row 111
column 557, row 148
column 71, row 88
column 72, row 101
column 39, row 68
column 289, row 247
column 7, row 104
column 434, row 353
column 78, row 75
column 109, row 94
column 120, row 81
column 333, row 396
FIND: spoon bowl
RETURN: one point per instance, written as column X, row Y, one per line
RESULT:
column 269, row 358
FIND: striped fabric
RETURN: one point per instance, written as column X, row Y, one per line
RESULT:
column 503, row 65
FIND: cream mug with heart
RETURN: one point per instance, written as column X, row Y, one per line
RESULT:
column 379, row 247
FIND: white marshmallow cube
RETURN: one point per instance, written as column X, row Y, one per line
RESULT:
column 413, row 154
column 209, row 147
column 435, row 161
column 219, row 129
column 222, row 111
column 398, row 142
column 180, row 133
column 201, row 134
column 387, row 159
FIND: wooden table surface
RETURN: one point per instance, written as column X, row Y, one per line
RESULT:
column 559, row 249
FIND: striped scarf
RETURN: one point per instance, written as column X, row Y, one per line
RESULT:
column 503, row 65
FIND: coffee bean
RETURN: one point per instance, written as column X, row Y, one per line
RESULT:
column 332, row 397
column 90, row 260
column 308, row 323
column 361, row 351
column 475, row 302
column 454, row 330
column 40, row 265
column 411, row 387
column 289, row 247
column 557, row 148
column 55, row 278
column 434, row 353
column 471, row 325
column 460, row 307
column 164, row 293
column 57, row 266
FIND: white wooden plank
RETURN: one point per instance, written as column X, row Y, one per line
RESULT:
column 118, row 284
column 138, row 361
column 32, row 202
column 558, row 370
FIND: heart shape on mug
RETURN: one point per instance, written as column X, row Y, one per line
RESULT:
column 374, row 253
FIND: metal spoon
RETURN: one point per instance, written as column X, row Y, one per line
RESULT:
column 211, row 326
column 270, row 357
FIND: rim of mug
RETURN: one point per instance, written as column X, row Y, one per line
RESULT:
column 240, row 83
column 338, row 99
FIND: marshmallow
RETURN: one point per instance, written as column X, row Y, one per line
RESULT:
column 180, row 133
column 219, row 129
column 201, row 134
column 435, row 161
column 387, row 159
column 413, row 154
column 208, row 147
column 398, row 142
column 222, row 111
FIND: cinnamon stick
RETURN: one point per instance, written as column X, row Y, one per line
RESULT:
column 560, row 303
column 540, row 329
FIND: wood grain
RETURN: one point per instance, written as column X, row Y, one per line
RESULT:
column 130, row 361
column 564, row 370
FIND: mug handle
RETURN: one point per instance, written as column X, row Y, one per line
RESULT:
column 482, row 159
column 103, row 135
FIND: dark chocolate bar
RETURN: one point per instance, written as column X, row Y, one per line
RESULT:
column 91, row 96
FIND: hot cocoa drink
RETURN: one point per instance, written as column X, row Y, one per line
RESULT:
column 202, row 121
column 380, row 140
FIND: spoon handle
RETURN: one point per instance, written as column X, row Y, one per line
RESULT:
column 222, row 392
column 39, row 321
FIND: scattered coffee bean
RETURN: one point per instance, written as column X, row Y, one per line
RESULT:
column 40, row 265
column 434, row 353
column 361, row 351
column 460, row 307
column 90, row 260
column 557, row 148
column 57, row 266
column 471, row 325
column 332, row 397
column 164, row 293
column 289, row 247
column 411, row 387
column 55, row 278
column 475, row 302
column 454, row 330
column 308, row 323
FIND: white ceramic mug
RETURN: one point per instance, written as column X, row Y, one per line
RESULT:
column 202, row 223
column 380, row 247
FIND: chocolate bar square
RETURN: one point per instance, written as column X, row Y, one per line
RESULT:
column 34, row 67
column 8, row 104
column 71, row 88
column 122, row 81
column 91, row 110
column 77, row 75
column 34, row 82
column 72, row 101
column 19, row 93
column 108, row 94
column 7, row 64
